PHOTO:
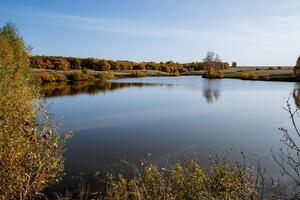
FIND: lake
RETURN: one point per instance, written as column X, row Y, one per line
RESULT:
column 165, row 119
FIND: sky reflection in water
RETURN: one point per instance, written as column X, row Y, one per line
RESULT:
column 169, row 118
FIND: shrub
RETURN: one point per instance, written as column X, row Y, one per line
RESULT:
column 77, row 76
column 271, row 68
column 245, row 75
column 211, row 72
column 215, row 75
column 105, row 76
column 176, row 73
column 137, row 74
column 30, row 150
column 84, row 70
column 50, row 76
column 59, row 76
column 45, row 77
column 252, row 76
column 186, row 181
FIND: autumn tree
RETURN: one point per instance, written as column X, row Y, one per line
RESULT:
column 30, row 150
column 75, row 63
column 210, row 56
column 212, row 64
column 103, row 65
column 89, row 63
column 297, row 69
column 60, row 64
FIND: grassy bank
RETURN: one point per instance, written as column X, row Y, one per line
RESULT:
column 245, row 73
column 261, row 73
column 45, row 76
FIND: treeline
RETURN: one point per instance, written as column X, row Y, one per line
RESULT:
column 72, row 63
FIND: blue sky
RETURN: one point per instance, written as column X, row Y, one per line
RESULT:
column 251, row 32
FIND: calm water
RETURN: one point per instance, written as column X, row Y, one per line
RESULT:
column 167, row 118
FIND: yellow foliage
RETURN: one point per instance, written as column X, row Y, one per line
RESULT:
column 185, row 180
column 105, row 76
column 50, row 76
column 176, row 73
column 137, row 74
column 245, row 75
column 212, row 73
column 30, row 150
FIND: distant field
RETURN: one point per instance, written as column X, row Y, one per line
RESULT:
column 284, row 73
column 262, row 73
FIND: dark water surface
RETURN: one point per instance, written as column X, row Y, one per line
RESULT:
column 167, row 118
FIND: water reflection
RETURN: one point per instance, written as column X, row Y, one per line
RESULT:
column 57, row 89
column 296, row 94
column 211, row 90
column 167, row 119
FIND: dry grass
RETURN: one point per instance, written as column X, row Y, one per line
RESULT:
column 183, row 181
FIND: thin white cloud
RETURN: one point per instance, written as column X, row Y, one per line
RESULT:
column 120, row 26
column 270, row 38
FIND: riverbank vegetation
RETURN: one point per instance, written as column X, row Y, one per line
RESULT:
column 31, row 146
column 71, row 76
column 183, row 181
column 248, row 76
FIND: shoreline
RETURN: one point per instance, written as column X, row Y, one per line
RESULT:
column 278, row 74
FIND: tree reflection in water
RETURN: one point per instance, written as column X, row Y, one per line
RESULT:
column 56, row 89
column 211, row 90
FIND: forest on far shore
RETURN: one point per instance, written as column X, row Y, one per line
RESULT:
column 72, row 63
